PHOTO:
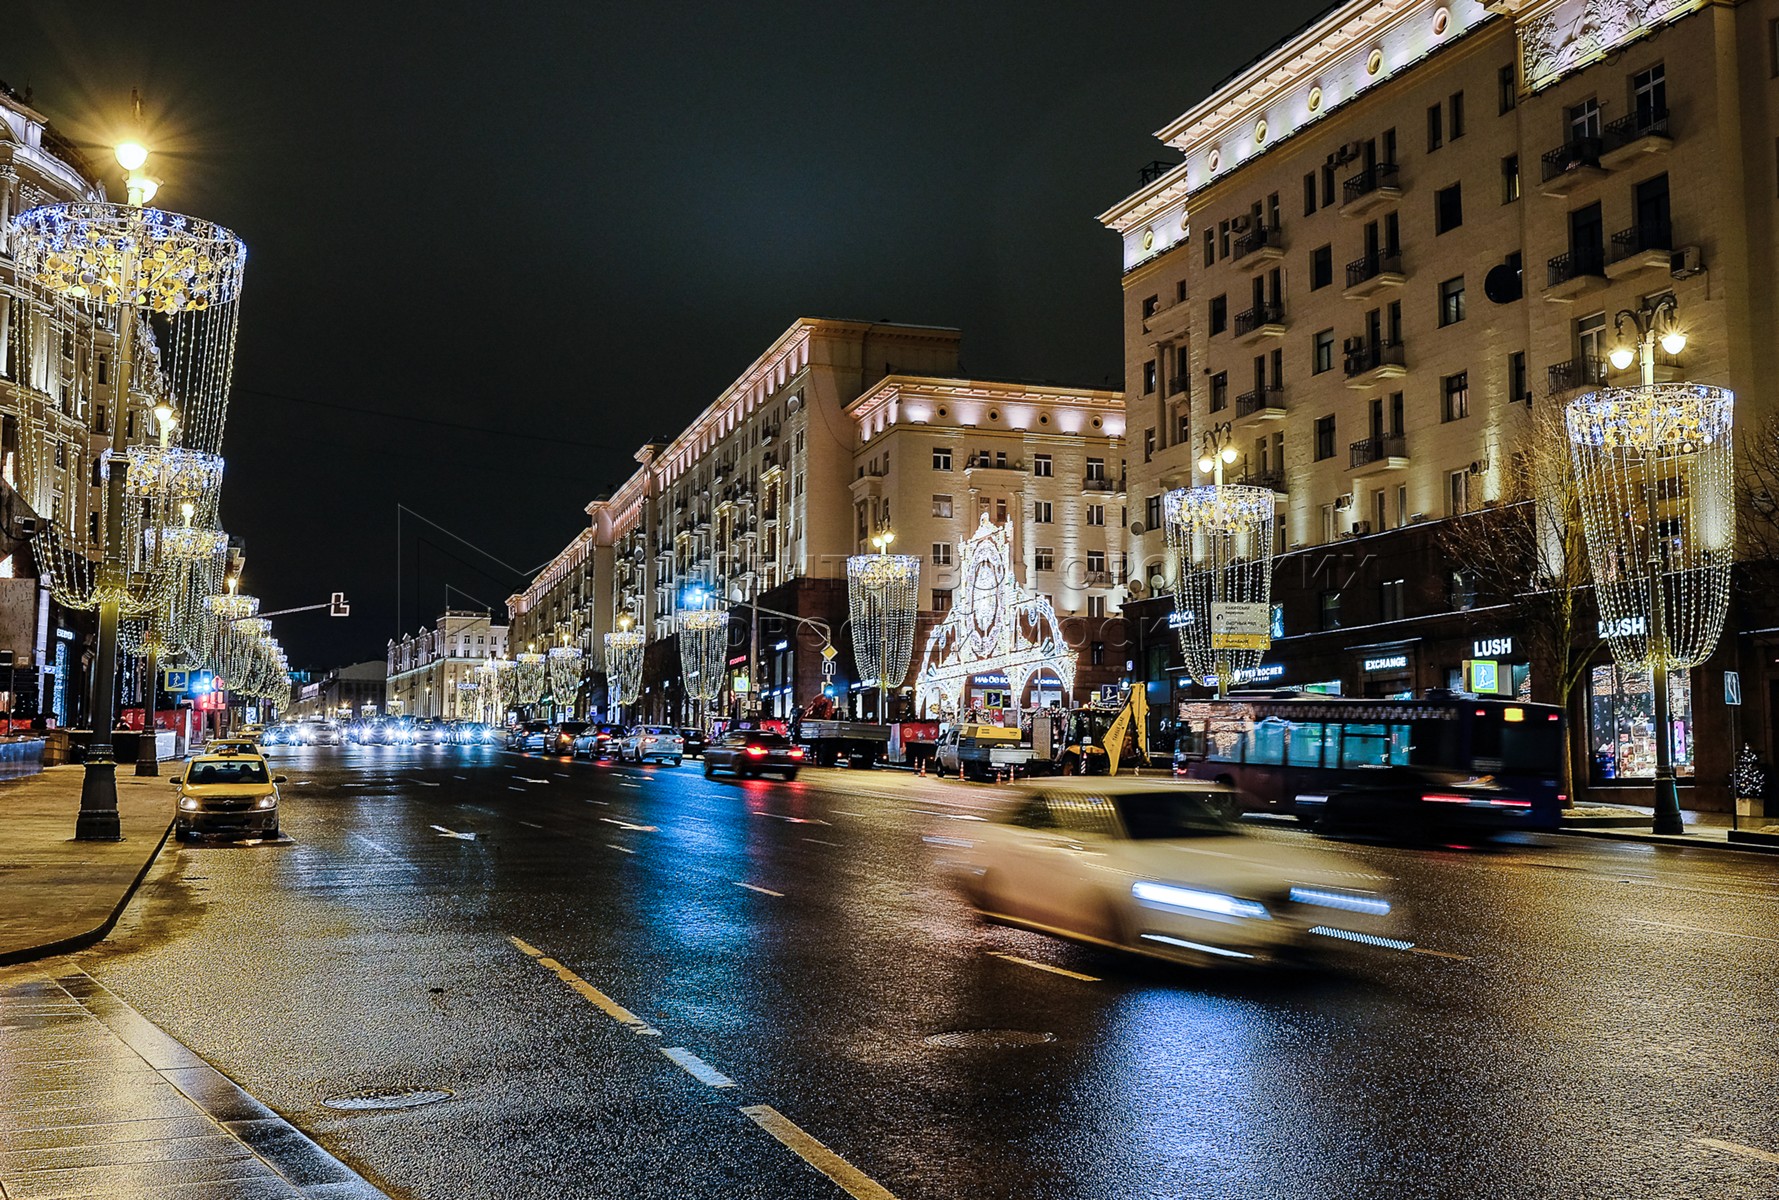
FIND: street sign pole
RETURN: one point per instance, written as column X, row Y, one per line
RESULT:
column 1732, row 700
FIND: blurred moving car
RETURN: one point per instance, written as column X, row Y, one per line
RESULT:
column 430, row 731
column 563, row 734
column 276, row 735
column 233, row 793
column 752, row 752
column 662, row 743
column 318, row 733
column 1150, row 866
column 694, row 740
column 532, row 735
column 598, row 740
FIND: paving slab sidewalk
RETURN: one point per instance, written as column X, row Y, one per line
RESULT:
column 97, row 1100
column 57, row 894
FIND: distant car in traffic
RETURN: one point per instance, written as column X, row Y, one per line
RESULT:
column 319, row 733
column 232, row 793
column 753, row 752
column 1150, row 866
column 532, row 735
column 598, row 740
column 235, row 744
column 563, row 734
column 430, row 731
column 694, row 740
column 662, row 743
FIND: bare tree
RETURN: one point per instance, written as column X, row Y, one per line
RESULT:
column 1529, row 552
column 1757, row 491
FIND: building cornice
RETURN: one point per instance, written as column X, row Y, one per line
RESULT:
column 899, row 400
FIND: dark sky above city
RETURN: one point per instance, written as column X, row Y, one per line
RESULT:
column 495, row 248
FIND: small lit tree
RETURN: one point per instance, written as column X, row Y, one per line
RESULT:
column 1529, row 552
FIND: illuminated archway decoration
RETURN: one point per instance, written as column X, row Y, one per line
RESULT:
column 995, row 626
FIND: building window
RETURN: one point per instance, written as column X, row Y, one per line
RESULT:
column 1517, row 388
column 1461, row 590
column 1390, row 594
column 1458, row 493
column 941, row 458
column 1210, row 247
column 1041, row 465
column 1649, row 96
column 941, row 600
column 1096, row 651
column 1455, row 115
column 1510, row 179
column 1621, row 723
column 1451, row 301
column 1096, row 514
column 1096, row 469
column 1329, row 609
column 1435, row 127
column 1149, row 305
column 1324, row 437
column 1507, row 88
column 1152, row 513
column 1149, row 377
column 941, row 554
column 1041, row 512
column 1448, row 208
column 1321, row 267
column 1044, row 559
column 1096, row 562
column 1584, row 120
column 1309, row 179
column 941, row 506
column 1148, row 444
column 1220, row 391
column 1219, row 314
column 1323, row 359
column 1456, row 389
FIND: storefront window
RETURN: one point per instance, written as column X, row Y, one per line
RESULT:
column 1619, row 720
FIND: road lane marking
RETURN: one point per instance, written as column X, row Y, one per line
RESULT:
column 599, row 999
column 763, row 891
column 451, row 833
column 851, row 1180
column 1027, row 962
column 423, row 783
column 377, row 846
column 842, row 813
column 791, row 820
column 562, row 774
column 511, row 788
column 696, row 1067
column 628, row 825
column 619, row 849
column 1734, row 1148
column 460, row 776
column 533, row 824
column 529, row 779
column 819, row 842
column 1749, row 937
column 1438, row 953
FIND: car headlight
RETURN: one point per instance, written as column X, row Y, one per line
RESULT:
column 1184, row 899
column 1359, row 902
column 188, row 804
column 268, row 802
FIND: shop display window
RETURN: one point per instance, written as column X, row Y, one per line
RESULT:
column 1620, row 738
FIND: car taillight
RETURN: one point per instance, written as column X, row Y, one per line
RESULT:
column 796, row 752
column 756, row 752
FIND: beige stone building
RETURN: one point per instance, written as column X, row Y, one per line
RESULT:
column 1393, row 236
column 433, row 673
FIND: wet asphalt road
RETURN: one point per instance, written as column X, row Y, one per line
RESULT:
column 1598, row 1019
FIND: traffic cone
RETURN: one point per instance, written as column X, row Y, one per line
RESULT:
column 922, row 772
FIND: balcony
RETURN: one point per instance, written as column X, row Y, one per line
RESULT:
column 1572, row 164
column 1576, row 273
column 1641, row 248
column 1370, row 189
column 1375, row 455
column 1266, row 245
column 1633, row 136
column 1178, row 385
column 1273, row 481
column 1168, row 324
column 1369, row 365
column 1100, row 485
column 1372, row 274
column 981, row 471
column 1097, row 579
column 1263, row 320
column 1261, row 404
column 1582, row 371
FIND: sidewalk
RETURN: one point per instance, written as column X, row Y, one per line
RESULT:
column 57, row 894
column 1710, row 829
column 96, row 1100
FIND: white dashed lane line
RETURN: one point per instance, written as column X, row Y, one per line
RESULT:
column 763, row 891
column 619, row 849
column 1035, row 965
column 696, row 1067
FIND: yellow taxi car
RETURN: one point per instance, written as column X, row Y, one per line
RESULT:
column 227, row 793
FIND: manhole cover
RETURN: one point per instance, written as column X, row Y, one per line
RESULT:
column 989, row 1039
column 362, row 1101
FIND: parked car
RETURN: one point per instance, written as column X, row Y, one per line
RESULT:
column 753, row 752
column 563, row 734
column 662, row 743
column 597, row 741
column 1150, row 867
column 227, row 793
column 695, row 741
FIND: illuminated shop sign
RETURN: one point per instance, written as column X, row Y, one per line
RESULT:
column 1492, row 647
column 1387, row 662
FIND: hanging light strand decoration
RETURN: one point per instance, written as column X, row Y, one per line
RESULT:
column 1220, row 537
column 563, row 665
column 624, row 648
column 1654, row 468
column 494, row 680
column 883, row 592
column 530, row 677
column 704, row 652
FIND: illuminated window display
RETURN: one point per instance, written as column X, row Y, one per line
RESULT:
column 1619, row 718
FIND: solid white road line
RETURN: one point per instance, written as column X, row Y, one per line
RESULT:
column 696, row 1067
column 619, row 849
column 763, row 891
column 1027, row 962
column 852, row 1181
column 791, row 820
column 1734, row 1148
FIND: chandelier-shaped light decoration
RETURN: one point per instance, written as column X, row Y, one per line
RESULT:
column 494, row 686
column 563, row 666
column 530, row 677
column 883, row 592
column 623, row 666
column 1654, row 468
column 704, row 652
column 1220, row 537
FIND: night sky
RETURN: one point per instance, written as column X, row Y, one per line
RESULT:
column 495, row 248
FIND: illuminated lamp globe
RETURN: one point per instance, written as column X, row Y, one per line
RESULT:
column 131, row 155
column 1229, row 454
column 1673, row 341
column 1206, row 464
column 1621, row 357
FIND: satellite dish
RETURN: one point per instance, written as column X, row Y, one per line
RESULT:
column 1502, row 284
column 1156, row 582
column 1136, row 529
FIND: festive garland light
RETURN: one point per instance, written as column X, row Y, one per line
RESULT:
column 623, row 666
column 530, row 677
column 883, row 593
column 1654, row 466
column 123, row 254
column 494, row 682
column 563, row 665
column 1220, row 537
column 704, row 652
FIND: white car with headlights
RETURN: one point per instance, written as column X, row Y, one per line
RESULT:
column 1149, row 866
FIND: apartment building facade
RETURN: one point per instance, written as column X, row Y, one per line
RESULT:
column 1394, row 238
column 432, row 673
